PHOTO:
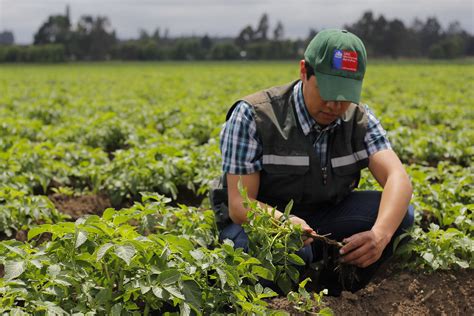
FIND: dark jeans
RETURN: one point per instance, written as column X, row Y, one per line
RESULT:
column 356, row 213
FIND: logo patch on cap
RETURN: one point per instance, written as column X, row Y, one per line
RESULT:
column 344, row 60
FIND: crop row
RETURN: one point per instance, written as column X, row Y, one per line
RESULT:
column 124, row 129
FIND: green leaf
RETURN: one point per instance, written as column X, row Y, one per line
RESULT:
column 428, row 257
column 120, row 219
column 158, row 291
column 197, row 254
column 125, row 252
column 37, row 263
column 16, row 249
column 13, row 269
column 54, row 270
column 81, row 238
column 17, row 312
column 293, row 273
column 222, row 276
column 62, row 282
column 192, row 293
column 35, row 231
column 103, row 249
column 326, row 312
column 173, row 290
column 462, row 264
column 116, row 310
column 169, row 276
column 108, row 213
column 303, row 283
column 251, row 260
column 184, row 310
column 54, row 310
column 295, row 259
column 284, row 283
column 288, row 208
column 262, row 272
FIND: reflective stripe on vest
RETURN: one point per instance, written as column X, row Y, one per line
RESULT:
column 349, row 159
column 286, row 160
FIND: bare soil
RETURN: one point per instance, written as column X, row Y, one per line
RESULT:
column 77, row 206
column 404, row 293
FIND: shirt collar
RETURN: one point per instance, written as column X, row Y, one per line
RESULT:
column 306, row 121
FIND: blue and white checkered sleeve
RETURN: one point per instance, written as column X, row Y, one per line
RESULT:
column 240, row 146
column 376, row 136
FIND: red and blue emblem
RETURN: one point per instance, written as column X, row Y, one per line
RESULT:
column 344, row 60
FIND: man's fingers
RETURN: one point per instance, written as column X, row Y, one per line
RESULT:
column 363, row 261
column 308, row 230
column 355, row 254
column 353, row 243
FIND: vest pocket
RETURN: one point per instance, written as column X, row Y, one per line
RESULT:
column 283, row 183
column 346, row 178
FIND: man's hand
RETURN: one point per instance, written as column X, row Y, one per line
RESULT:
column 295, row 220
column 364, row 248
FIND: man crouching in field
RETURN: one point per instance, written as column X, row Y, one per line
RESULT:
column 308, row 141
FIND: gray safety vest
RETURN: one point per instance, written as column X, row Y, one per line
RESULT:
column 291, row 167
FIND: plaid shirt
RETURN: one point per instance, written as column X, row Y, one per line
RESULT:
column 241, row 147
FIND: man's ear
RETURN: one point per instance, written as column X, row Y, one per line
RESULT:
column 302, row 70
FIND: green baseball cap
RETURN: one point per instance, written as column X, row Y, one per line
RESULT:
column 338, row 58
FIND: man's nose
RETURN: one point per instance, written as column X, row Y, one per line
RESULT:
column 334, row 105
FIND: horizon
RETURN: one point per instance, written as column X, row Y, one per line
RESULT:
column 219, row 20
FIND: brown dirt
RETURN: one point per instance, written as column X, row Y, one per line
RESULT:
column 404, row 293
column 77, row 206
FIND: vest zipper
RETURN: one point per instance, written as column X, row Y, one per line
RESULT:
column 325, row 169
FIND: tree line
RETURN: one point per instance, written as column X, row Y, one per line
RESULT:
column 93, row 38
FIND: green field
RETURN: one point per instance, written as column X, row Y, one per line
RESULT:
column 117, row 130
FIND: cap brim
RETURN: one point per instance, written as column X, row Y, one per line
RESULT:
column 335, row 88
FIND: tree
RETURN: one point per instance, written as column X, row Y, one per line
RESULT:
column 262, row 28
column 93, row 38
column 188, row 49
column 454, row 28
column 247, row 35
column 430, row 34
column 364, row 27
column 278, row 32
column 378, row 37
column 156, row 35
column 56, row 30
column 225, row 51
column 311, row 34
column 143, row 35
column 206, row 42
column 395, row 38
column 7, row 38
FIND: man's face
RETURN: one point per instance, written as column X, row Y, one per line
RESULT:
column 324, row 112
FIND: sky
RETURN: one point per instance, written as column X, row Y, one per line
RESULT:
column 226, row 17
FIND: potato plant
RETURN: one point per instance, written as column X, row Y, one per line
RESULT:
column 104, row 265
column 125, row 129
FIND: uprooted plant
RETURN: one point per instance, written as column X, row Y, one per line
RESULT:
column 276, row 244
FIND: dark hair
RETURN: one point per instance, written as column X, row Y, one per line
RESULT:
column 309, row 70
